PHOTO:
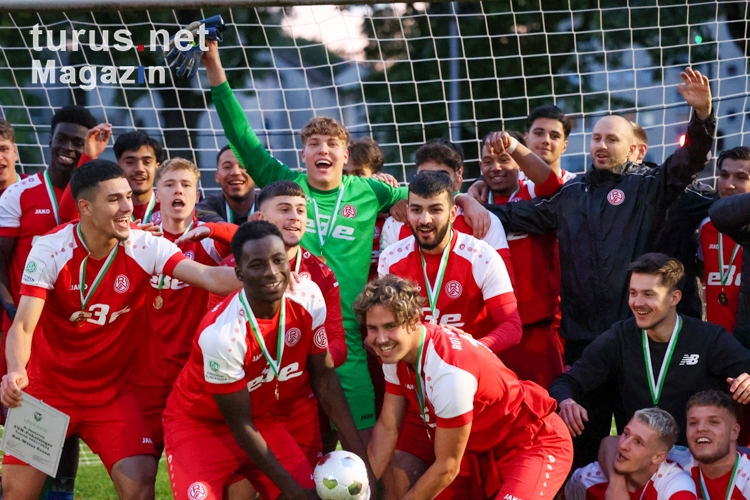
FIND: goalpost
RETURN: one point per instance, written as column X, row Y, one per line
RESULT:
column 401, row 73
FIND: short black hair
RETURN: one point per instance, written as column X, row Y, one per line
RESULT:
column 513, row 133
column 135, row 140
column 74, row 114
column 221, row 152
column 253, row 230
column 738, row 153
column 88, row 176
column 430, row 183
column 441, row 151
column 670, row 270
column 553, row 113
column 278, row 188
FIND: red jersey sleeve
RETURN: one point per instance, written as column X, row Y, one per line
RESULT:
column 550, row 186
column 67, row 209
column 508, row 331
column 335, row 322
column 222, row 233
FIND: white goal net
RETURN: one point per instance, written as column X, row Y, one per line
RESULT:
column 401, row 73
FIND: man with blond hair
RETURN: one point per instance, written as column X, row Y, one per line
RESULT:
column 343, row 209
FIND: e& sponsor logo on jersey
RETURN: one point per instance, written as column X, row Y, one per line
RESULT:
column 321, row 338
column 197, row 491
column 453, row 289
column 122, row 283
column 349, row 211
column 292, row 336
column 690, row 359
column 616, row 197
column 288, row 372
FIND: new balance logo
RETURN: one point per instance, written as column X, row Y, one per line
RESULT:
column 42, row 211
column 690, row 359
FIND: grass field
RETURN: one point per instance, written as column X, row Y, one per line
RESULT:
column 93, row 482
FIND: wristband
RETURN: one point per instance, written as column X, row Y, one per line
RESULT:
column 513, row 145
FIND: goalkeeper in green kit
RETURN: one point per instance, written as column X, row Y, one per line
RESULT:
column 341, row 215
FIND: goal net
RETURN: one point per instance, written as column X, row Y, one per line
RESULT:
column 401, row 73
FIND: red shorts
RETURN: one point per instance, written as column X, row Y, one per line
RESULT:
column 304, row 426
column 413, row 438
column 536, row 471
column 203, row 457
column 538, row 357
column 113, row 431
column 152, row 401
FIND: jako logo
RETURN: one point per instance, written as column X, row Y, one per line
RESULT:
column 42, row 211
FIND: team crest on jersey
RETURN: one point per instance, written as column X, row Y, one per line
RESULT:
column 616, row 197
column 156, row 217
column 321, row 339
column 453, row 289
column 122, row 283
column 197, row 491
column 306, row 255
column 292, row 337
column 376, row 233
column 190, row 255
column 349, row 211
column 462, row 246
column 304, row 275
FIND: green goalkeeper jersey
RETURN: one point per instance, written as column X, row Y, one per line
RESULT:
column 347, row 245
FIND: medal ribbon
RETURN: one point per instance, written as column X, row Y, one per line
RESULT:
column 297, row 260
column 730, row 488
column 230, row 214
column 331, row 222
column 161, row 230
column 421, row 396
column 722, row 275
column 656, row 386
column 434, row 293
column 149, row 210
column 513, row 195
column 275, row 365
column 52, row 196
column 82, row 272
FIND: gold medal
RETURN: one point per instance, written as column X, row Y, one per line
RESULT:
column 723, row 299
column 158, row 302
column 79, row 319
column 277, row 391
column 322, row 259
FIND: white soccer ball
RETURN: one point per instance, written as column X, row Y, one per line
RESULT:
column 341, row 475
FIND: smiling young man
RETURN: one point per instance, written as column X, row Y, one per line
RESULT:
column 657, row 357
column 343, row 210
column 491, row 434
column 228, row 412
column 640, row 468
column 174, row 309
column 85, row 285
column 8, row 156
column 236, row 201
column 139, row 156
column 721, row 256
column 467, row 286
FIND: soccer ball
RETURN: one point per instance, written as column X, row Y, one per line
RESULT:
column 341, row 475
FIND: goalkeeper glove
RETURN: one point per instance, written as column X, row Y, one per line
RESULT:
column 184, row 62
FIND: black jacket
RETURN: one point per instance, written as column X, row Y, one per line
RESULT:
column 704, row 356
column 214, row 209
column 731, row 216
column 600, row 232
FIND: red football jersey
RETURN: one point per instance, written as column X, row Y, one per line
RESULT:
column 537, row 268
column 173, row 325
column 88, row 363
column 669, row 482
column 26, row 213
column 226, row 357
column 379, row 222
column 19, row 177
column 466, row 383
column 475, row 281
column 314, row 269
column 724, row 315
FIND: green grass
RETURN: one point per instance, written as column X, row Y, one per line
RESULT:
column 93, row 483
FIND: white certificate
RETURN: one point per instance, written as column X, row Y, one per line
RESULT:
column 35, row 432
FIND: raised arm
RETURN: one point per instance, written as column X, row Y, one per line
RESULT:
column 18, row 349
column 534, row 167
column 262, row 167
column 217, row 279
